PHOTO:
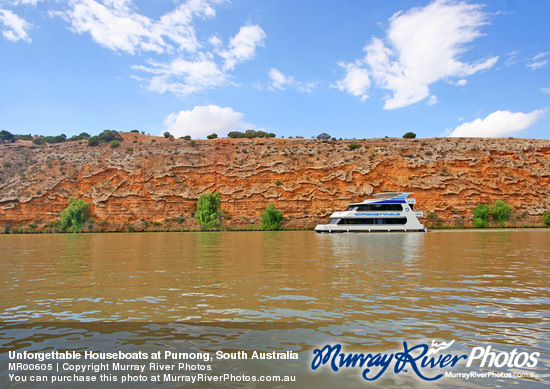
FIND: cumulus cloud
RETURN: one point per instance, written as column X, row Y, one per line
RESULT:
column 204, row 120
column 422, row 46
column 497, row 124
column 280, row 82
column 242, row 46
column 182, row 62
column 356, row 82
column 183, row 77
column 119, row 26
column 13, row 27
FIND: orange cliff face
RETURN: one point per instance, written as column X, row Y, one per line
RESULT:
column 152, row 178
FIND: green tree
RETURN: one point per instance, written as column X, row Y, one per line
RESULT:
column 75, row 215
column 56, row 139
column 409, row 135
column 271, row 218
column 500, row 211
column 109, row 135
column 481, row 213
column 546, row 218
column 6, row 136
column 114, row 144
column 208, row 206
column 92, row 141
column 166, row 134
column 323, row 136
column 250, row 134
column 235, row 134
column 82, row 135
column 212, row 136
column 23, row 137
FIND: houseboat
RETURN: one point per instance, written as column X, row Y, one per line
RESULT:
column 391, row 211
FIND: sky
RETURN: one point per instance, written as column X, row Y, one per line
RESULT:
column 352, row 69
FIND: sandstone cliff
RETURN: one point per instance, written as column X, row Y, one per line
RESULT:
column 150, row 179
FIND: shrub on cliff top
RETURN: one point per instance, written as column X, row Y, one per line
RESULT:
column 40, row 140
column 75, row 215
column 82, row 135
column 271, row 218
column 93, row 141
column 250, row 134
column 109, row 135
column 409, row 135
column 106, row 136
column 546, row 218
column 6, row 137
column 208, row 206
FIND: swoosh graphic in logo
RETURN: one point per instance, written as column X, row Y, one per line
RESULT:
column 438, row 347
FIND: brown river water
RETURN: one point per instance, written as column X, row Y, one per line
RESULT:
column 291, row 291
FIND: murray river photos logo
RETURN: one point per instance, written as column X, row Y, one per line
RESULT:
column 425, row 361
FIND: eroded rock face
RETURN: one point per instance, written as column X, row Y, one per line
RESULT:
column 152, row 178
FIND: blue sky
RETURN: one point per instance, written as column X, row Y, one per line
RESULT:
column 353, row 69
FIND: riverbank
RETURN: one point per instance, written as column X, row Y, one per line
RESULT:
column 251, row 228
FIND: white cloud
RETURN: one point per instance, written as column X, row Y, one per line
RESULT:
column 545, row 90
column 356, row 82
column 119, row 26
column 204, row 120
column 432, row 100
column 539, row 61
column 497, row 124
column 26, row 2
column 182, row 63
column 242, row 47
column 183, row 77
column 281, row 82
column 512, row 58
column 13, row 27
column 422, row 47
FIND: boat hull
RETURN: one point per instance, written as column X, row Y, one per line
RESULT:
column 330, row 228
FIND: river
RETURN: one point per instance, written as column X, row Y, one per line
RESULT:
column 287, row 291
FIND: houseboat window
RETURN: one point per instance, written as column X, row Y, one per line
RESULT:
column 376, row 221
column 380, row 207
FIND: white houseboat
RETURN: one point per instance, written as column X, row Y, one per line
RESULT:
column 392, row 211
